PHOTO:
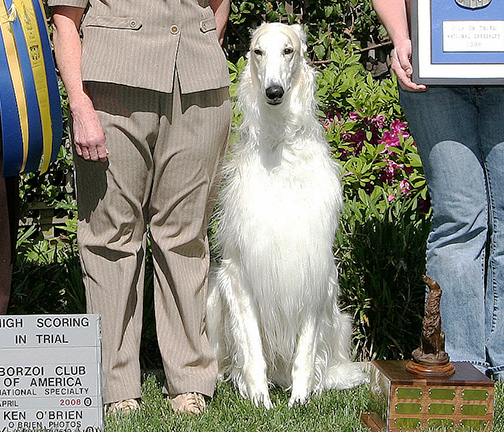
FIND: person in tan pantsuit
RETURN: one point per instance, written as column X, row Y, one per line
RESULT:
column 147, row 84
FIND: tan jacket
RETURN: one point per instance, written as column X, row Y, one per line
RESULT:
column 140, row 43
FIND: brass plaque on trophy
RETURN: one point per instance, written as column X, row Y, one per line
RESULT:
column 402, row 401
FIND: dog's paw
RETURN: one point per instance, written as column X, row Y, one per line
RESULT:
column 261, row 398
column 257, row 384
column 301, row 398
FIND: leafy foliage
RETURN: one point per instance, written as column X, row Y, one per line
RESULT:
column 47, row 279
column 381, row 242
column 325, row 20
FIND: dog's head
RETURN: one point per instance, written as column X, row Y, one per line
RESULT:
column 275, row 59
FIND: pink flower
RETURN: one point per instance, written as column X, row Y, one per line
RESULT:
column 404, row 186
column 389, row 172
column 379, row 121
column 390, row 139
column 332, row 118
column 354, row 116
column 346, row 137
column 399, row 128
column 391, row 198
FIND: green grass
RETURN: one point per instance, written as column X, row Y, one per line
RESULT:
column 331, row 411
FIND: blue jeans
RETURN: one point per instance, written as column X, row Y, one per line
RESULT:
column 459, row 132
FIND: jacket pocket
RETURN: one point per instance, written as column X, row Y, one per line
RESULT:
column 122, row 23
column 208, row 24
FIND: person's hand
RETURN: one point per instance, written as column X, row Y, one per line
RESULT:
column 89, row 137
column 401, row 65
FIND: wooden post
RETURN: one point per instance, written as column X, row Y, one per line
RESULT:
column 289, row 7
column 46, row 222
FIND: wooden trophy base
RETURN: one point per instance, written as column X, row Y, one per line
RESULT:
column 402, row 400
column 423, row 370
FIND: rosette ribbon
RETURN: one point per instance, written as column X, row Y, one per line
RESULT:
column 30, row 105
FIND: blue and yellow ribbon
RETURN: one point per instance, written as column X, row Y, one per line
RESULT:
column 31, row 122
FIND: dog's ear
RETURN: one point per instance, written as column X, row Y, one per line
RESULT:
column 298, row 28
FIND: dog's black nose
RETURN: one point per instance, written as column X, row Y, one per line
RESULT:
column 274, row 93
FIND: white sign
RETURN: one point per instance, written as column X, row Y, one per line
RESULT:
column 473, row 36
column 50, row 373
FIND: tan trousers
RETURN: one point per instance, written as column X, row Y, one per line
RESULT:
column 164, row 153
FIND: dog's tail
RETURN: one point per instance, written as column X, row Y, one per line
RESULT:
column 345, row 375
column 342, row 373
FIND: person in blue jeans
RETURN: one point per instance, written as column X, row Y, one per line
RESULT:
column 459, row 131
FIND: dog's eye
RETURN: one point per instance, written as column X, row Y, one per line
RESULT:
column 288, row 51
column 258, row 52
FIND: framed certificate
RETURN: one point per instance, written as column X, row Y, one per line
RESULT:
column 458, row 42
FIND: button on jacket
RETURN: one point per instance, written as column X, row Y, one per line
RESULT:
column 140, row 43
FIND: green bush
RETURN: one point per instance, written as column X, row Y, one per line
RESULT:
column 347, row 21
column 380, row 246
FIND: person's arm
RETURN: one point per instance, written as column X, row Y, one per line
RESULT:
column 89, row 137
column 394, row 16
column 221, row 11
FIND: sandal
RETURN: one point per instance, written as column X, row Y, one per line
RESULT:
column 188, row 403
column 124, row 406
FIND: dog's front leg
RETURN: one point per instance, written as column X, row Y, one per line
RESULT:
column 216, row 322
column 245, row 329
column 303, row 368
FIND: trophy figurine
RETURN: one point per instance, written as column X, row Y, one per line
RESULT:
column 431, row 358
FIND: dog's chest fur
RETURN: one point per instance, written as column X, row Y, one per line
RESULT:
column 270, row 205
column 284, row 189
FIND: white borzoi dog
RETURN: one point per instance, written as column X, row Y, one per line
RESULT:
column 273, row 311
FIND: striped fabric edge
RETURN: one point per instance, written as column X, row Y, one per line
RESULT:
column 30, row 105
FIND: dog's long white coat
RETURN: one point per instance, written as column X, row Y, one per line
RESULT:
column 273, row 311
